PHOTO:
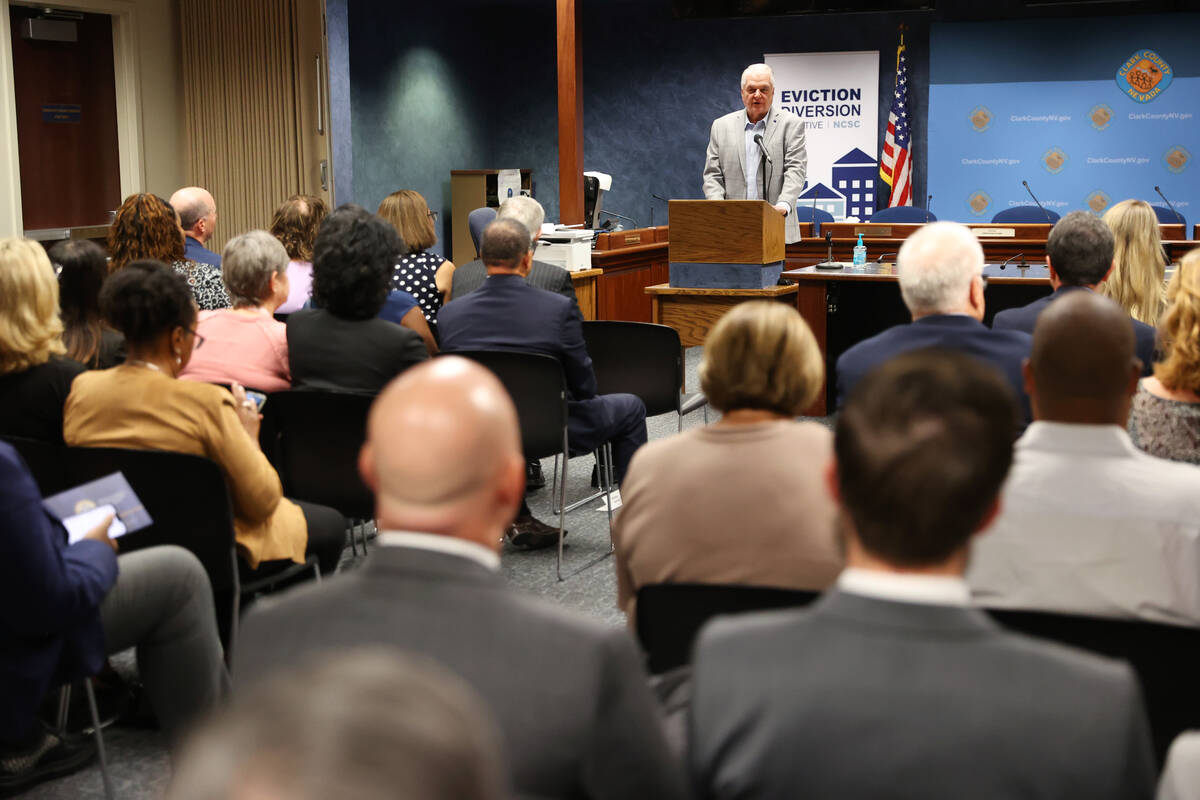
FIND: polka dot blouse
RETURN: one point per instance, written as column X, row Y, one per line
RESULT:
column 416, row 273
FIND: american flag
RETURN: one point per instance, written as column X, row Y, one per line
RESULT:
column 896, row 165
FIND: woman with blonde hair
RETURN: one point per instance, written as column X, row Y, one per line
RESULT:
column 1165, row 417
column 421, row 273
column 1136, row 280
column 741, row 501
column 35, row 375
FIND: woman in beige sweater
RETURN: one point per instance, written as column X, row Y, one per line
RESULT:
column 742, row 501
column 141, row 405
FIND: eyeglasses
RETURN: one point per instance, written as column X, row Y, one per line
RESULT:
column 433, row 215
column 199, row 340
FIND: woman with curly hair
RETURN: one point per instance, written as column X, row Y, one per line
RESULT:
column 295, row 225
column 82, row 268
column 341, row 343
column 1165, row 417
column 423, row 274
column 35, row 375
column 147, row 228
column 1139, row 265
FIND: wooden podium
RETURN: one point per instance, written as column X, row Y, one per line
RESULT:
column 725, row 244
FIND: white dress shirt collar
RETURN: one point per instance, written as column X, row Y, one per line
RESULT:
column 441, row 544
column 937, row 590
column 1077, row 438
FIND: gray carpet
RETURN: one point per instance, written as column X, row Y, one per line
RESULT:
column 138, row 759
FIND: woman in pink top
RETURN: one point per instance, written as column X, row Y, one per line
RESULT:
column 246, row 344
column 295, row 225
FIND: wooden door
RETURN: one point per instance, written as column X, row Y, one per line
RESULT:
column 311, row 67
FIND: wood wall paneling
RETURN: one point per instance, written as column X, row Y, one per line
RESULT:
column 570, row 112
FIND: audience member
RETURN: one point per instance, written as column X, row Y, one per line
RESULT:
column 542, row 274
column 246, row 344
column 340, row 344
column 1165, row 418
column 1089, row 523
column 198, row 217
column 66, row 606
column 443, row 457
column 891, row 685
column 940, row 270
column 295, row 225
column 140, row 405
column 367, row 724
column 35, row 375
column 148, row 228
column 1079, row 254
column 506, row 313
column 82, row 268
column 1139, row 263
column 742, row 501
column 420, row 272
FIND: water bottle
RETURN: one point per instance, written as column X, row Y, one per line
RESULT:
column 860, row 252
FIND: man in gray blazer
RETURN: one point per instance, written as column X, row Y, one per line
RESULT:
column 443, row 457
column 734, row 164
column 892, row 686
column 551, row 277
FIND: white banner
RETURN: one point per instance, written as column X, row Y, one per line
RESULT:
column 837, row 96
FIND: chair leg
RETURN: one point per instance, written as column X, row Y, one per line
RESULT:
column 554, row 486
column 64, row 707
column 608, row 490
column 562, row 502
column 353, row 543
column 91, row 698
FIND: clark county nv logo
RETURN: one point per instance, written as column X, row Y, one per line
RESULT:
column 1144, row 76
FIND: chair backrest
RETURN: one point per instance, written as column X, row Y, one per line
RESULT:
column 1025, row 214
column 1168, row 217
column 1166, row 659
column 188, row 501
column 538, row 388
column 817, row 216
column 477, row 220
column 669, row 615
column 900, row 214
column 639, row 358
column 314, row 438
column 45, row 462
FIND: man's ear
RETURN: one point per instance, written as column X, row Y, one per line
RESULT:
column 366, row 467
column 1027, row 374
column 1107, row 272
column 831, row 481
column 989, row 516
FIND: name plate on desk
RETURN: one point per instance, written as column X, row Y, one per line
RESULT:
column 881, row 231
column 995, row 233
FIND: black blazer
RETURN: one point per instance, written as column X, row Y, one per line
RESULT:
column 328, row 352
column 550, row 277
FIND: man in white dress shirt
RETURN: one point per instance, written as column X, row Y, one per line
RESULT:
column 735, row 162
column 891, row 685
column 1090, row 524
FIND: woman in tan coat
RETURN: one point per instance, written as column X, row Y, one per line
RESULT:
column 141, row 405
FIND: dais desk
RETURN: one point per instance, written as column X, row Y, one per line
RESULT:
column 693, row 312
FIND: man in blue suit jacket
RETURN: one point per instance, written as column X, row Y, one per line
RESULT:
column 1079, row 253
column 941, row 281
column 506, row 313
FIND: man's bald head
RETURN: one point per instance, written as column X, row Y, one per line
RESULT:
column 197, row 211
column 1083, row 366
column 504, row 246
column 443, row 452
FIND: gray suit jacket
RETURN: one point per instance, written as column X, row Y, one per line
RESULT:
column 575, row 715
column 725, row 163
column 550, row 277
column 865, row 698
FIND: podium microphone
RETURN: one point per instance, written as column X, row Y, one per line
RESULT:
column 1178, row 216
column 762, row 148
column 1039, row 205
column 656, row 197
column 928, row 213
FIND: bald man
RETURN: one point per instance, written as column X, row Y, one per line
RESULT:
column 443, row 456
column 1090, row 524
column 198, row 218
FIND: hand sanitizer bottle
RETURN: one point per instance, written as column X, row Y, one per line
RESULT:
column 860, row 252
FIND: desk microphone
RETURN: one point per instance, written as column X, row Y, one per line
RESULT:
column 882, row 256
column 1168, row 202
column 814, row 213
column 656, row 197
column 1039, row 205
column 619, row 216
column 928, row 212
column 1008, row 260
column 829, row 263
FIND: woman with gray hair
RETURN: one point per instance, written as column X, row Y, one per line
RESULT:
column 246, row 344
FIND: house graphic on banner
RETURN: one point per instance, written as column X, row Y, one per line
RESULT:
column 825, row 199
column 854, row 176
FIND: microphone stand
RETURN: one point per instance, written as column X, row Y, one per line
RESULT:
column 1178, row 216
column 829, row 263
column 1039, row 205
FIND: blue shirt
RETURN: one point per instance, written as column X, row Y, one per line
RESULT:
column 194, row 251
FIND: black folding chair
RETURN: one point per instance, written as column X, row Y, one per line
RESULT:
column 1166, row 659
column 670, row 615
column 538, row 388
column 313, row 438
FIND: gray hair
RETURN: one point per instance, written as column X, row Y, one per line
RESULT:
column 1080, row 246
column 936, row 266
column 525, row 210
column 247, row 264
column 504, row 243
column 369, row 723
column 758, row 68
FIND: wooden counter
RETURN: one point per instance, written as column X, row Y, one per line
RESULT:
column 693, row 312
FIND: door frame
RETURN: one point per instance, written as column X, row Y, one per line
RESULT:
column 129, row 117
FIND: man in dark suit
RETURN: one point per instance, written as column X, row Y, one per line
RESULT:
column 550, row 277
column 941, row 281
column 891, row 685
column 443, row 457
column 506, row 313
column 1079, row 253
